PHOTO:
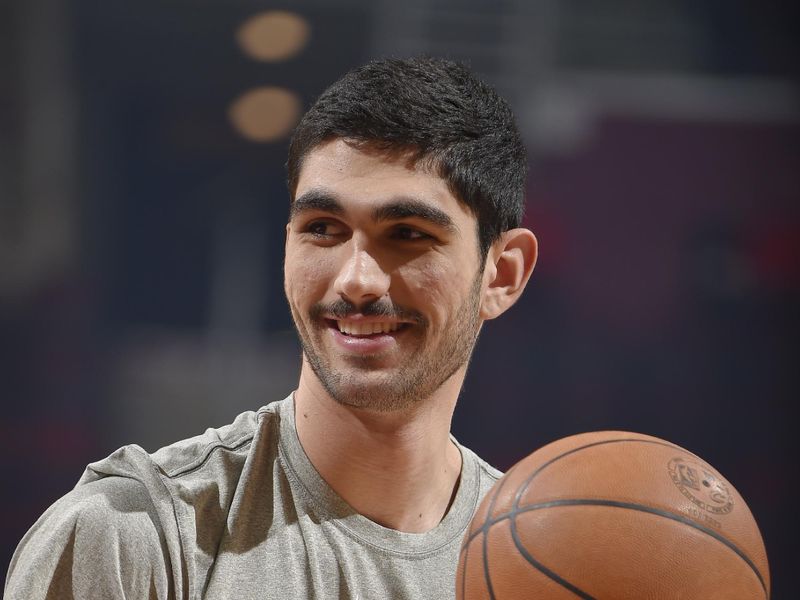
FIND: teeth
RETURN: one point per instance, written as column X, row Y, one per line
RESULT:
column 352, row 328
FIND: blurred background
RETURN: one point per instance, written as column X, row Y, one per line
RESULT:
column 143, row 204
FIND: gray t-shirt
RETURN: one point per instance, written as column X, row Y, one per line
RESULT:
column 238, row 512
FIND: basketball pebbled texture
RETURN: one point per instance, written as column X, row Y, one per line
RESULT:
column 613, row 515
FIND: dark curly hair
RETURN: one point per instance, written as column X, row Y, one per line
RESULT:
column 439, row 112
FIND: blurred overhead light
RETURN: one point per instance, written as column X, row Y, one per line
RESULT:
column 273, row 36
column 265, row 114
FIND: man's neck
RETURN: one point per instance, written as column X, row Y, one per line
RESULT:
column 399, row 469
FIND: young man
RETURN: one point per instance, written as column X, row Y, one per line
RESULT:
column 406, row 181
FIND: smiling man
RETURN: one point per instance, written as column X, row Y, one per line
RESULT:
column 406, row 181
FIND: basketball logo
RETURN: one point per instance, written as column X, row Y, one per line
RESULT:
column 701, row 485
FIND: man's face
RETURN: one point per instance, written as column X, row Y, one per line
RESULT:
column 382, row 275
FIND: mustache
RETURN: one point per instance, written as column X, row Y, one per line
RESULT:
column 341, row 309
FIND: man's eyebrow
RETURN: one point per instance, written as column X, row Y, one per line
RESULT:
column 394, row 210
column 405, row 208
column 315, row 199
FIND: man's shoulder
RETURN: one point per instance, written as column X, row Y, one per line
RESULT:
column 94, row 540
column 112, row 502
column 226, row 446
column 188, row 455
column 201, row 474
column 135, row 512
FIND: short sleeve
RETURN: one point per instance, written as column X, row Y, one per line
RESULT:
column 102, row 540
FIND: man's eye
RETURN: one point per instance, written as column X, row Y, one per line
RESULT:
column 409, row 233
column 318, row 228
column 323, row 228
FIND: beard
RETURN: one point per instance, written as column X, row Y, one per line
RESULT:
column 425, row 369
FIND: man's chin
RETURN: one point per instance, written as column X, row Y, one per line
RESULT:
column 379, row 396
column 365, row 382
column 378, row 404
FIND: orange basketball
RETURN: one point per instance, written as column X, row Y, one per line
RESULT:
column 613, row 515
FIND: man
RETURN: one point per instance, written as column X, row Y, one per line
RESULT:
column 406, row 182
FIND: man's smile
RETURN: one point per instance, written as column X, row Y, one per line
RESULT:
column 363, row 328
column 366, row 335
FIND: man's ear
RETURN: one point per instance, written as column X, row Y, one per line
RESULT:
column 509, row 265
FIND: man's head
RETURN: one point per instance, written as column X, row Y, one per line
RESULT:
column 406, row 180
column 438, row 114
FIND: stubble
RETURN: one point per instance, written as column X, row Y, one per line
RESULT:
column 422, row 372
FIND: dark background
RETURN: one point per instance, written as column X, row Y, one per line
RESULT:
column 141, row 235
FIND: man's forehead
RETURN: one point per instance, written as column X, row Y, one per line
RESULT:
column 363, row 172
column 409, row 156
column 341, row 154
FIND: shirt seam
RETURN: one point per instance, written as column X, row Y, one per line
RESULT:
column 238, row 444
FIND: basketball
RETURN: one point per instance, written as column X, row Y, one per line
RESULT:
column 613, row 515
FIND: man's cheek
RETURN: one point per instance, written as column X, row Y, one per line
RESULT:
column 303, row 283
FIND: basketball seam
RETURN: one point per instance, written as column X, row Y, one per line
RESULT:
column 551, row 574
column 646, row 509
column 516, row 509
column 485, row 529
column 526, row 483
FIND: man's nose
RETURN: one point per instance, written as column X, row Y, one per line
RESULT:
column 361, row 278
